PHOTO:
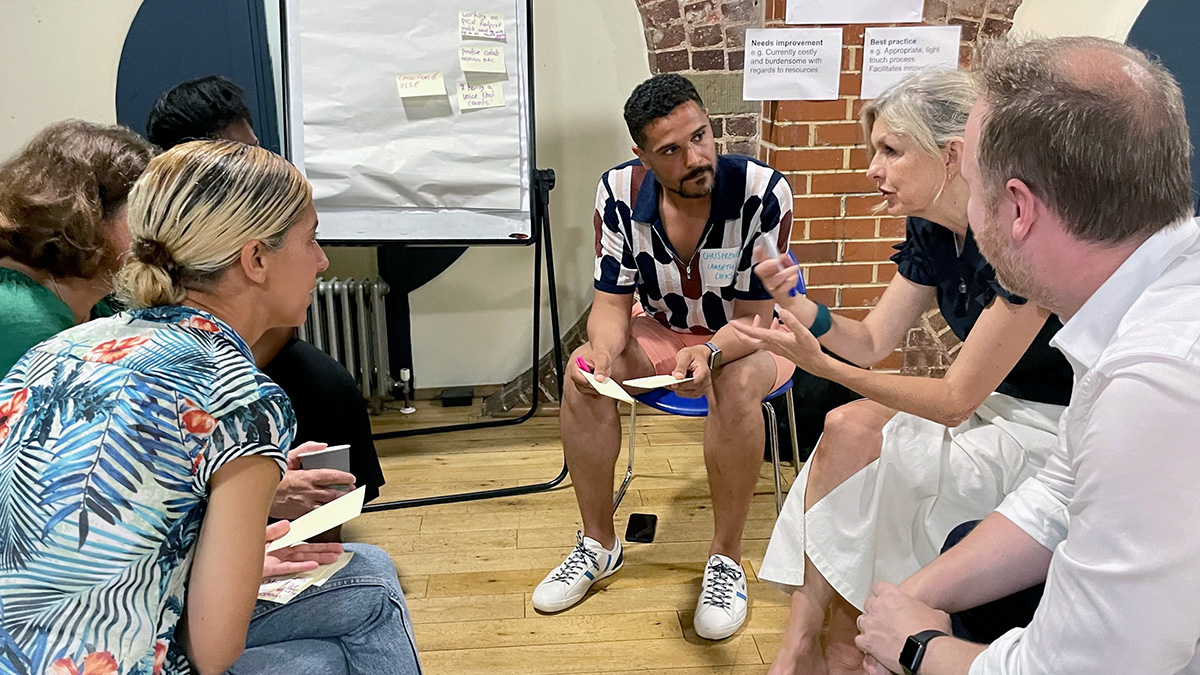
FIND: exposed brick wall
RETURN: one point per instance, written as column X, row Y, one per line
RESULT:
column 705, row 36
column 819, row 146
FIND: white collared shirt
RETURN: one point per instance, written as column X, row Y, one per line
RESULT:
column 1119, row 500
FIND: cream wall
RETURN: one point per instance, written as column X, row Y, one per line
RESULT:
column 60, row 60
column 1052, row 18
column 471, row 325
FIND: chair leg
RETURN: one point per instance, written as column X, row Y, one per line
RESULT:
column 628, row 469
column 773, row 443
column 792, row 429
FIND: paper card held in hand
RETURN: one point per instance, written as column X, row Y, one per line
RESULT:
column 655, row 381
column 339, row 511
column 282, row 589
column 486, row 25
column 609, row 388
column 421, row 84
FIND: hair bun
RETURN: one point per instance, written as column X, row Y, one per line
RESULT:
column 154, row 252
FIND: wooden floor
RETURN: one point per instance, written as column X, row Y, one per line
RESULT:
column 468, row 569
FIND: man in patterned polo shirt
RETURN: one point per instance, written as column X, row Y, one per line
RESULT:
column 678, row 225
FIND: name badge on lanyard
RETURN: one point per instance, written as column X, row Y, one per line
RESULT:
column 718, row 266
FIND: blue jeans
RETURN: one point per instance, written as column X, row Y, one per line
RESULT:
column 357, row 623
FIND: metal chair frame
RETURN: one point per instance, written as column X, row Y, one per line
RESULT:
column 772, row 440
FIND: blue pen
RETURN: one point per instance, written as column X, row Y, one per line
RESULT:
column 799, row 288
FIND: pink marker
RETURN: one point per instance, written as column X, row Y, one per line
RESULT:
column 582, row 364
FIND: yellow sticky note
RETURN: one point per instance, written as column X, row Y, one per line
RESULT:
column 609, row 388
column 421, row 84
column 471, row 97
column 339, row 511
column 486, row 25
column 482, row 58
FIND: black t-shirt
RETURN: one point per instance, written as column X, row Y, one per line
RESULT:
column 965, row 284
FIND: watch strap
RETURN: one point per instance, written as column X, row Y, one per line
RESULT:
column 913, row 667
column 714, row 356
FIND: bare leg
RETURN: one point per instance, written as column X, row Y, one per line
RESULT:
column 852, row 440
column 841, row 655
column 591, row 433
column 733, row 446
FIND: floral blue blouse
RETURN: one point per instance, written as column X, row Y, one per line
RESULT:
column 109, row 434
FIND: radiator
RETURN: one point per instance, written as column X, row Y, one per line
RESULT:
column 347, row 320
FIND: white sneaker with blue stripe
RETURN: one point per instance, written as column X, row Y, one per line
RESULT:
column 721, row 609
column 566, row 584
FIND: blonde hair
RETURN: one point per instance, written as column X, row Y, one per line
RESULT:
column 930, row 107
column 194, row 209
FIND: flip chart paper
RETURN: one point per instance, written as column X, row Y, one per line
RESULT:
column 854, row 11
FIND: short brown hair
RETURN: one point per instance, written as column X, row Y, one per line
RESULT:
column 1107, row 148
column 57, row 193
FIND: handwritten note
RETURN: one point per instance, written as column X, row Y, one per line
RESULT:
column 472, row 97
column 482, row 59
column 484, row 25
column 718, row 266
column 421, row 84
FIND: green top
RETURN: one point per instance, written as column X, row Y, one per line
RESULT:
column 29, row 313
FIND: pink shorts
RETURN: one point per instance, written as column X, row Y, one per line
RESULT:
column 661, row 344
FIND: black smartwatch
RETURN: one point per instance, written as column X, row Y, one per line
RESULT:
column 714, row 359
column 914, row 650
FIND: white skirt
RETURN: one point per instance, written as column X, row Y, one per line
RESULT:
column 891, row 518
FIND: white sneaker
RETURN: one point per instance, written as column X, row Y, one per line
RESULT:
column 569, row 582
column 721, row 609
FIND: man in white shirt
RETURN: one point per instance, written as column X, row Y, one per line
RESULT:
column 1077, row 158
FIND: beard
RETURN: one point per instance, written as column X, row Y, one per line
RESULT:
column 1012, row 274
column 699, row 191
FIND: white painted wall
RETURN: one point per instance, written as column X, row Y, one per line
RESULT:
column 1053, row 18
column 472, row 324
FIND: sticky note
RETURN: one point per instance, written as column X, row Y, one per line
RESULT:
column 486, row 25
column 471, row 97
column 339, row 511
column 421, row 84
column 482, row 58
column 655, row 381
column 609, row 388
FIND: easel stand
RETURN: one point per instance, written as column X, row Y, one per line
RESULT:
column 543, row 183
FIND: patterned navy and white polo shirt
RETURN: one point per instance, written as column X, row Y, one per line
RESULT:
column 750, row 200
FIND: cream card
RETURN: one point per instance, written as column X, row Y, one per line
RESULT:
column 473, row 97
column 655, row 381
column 486, row 25
column 482, row 58
column 609, row 388
column 341, row 510
column 421, row 84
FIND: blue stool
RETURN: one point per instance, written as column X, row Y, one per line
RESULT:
column 669, row 402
